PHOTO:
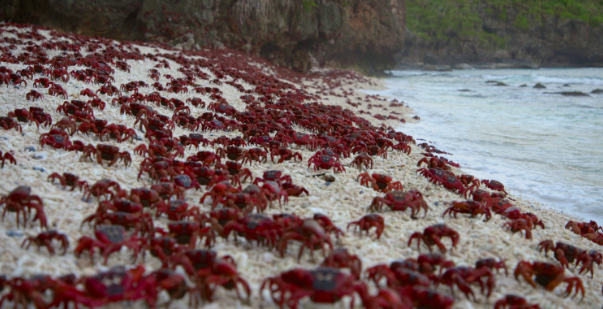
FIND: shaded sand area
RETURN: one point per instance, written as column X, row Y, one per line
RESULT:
column 343, row 200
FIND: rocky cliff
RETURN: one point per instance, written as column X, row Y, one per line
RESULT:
column 543, row 40
column 295, row 33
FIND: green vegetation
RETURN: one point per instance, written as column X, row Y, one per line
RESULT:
column 437, row 20
column 309, row 5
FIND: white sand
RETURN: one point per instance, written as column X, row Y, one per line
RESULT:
column 344, row 200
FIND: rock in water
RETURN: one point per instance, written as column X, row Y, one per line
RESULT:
column 575, row 93
column 597, row 91
column 539, row 86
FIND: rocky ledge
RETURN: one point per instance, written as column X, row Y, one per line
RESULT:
column 360, row 34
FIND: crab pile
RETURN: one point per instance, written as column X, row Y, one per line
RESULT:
column 210, row 174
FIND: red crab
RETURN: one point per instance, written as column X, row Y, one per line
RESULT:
column 379, row 182
column 511, row 301
column 109, row 239
column 432, row 235
column 463, row 276
column 218, row 192
column 285, row 155
column 185, row 182
column 494, row 185
column 492, row 265
column 177, row 210
column 327, row 224
column 255, row 154
column 101, row 188
column 194, row 139
column 68, row 179
column 189, row 232
column 468, row 207
column 233, row 153
column 273, row 175
column 236, row 169
column 89, row 93
column 310, row 233
column 400, row 201
column 326, row 162
column 520, row 224
column 57, row 139
column 566, row 253
column 341, row 258
column 273, row 190
column 362, row 159
column 582, row 228
column 58, row 91
column 400, row 277
column 159, row 169
column 166, row 280
column 154, row 150
column 323, row 285
column 119, row 132
column 294, row 190
column 166, row 190
column 424, row 298
column 35, row 114
column 21, row 198
column 44, row 82
column 7, row 156
column 258, row 227
column 66, row 124
column 435, row 162
column 33, row 95
column 120, row 204
column 108, row 152
column 8, row 123
column 209, row 272
column 206, row 157
column 548, row 275
column 118, row 284
column 25, row 291
column 140, row 221
column 369, row 221
column 244, row 201
column 45, row 239
column 145, row 196
column 447, row 180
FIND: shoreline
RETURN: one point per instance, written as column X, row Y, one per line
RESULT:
column 343, row 200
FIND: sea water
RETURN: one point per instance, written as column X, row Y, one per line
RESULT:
column 540, row 144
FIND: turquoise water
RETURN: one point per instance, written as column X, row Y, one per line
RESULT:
column 540, row 144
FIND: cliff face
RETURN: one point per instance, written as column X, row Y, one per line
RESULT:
column 295, row 33
column 548, row 41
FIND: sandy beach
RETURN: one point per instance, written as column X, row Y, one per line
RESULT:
column 343, row 200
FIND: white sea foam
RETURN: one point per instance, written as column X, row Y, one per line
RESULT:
column 540, row 144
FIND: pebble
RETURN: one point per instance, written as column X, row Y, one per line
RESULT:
column 40, row 156
column 361, row 192
column 327, row 183
column 14, row 234
column 35, row 168
column 30, row 148
column 4, row 138
column 137, row 138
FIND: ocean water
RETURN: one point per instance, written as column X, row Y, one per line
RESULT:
column 541, row 145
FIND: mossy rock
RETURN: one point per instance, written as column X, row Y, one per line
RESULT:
column 501, row 84
column 597, row 91
column 539, row 86
column 523, row 86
